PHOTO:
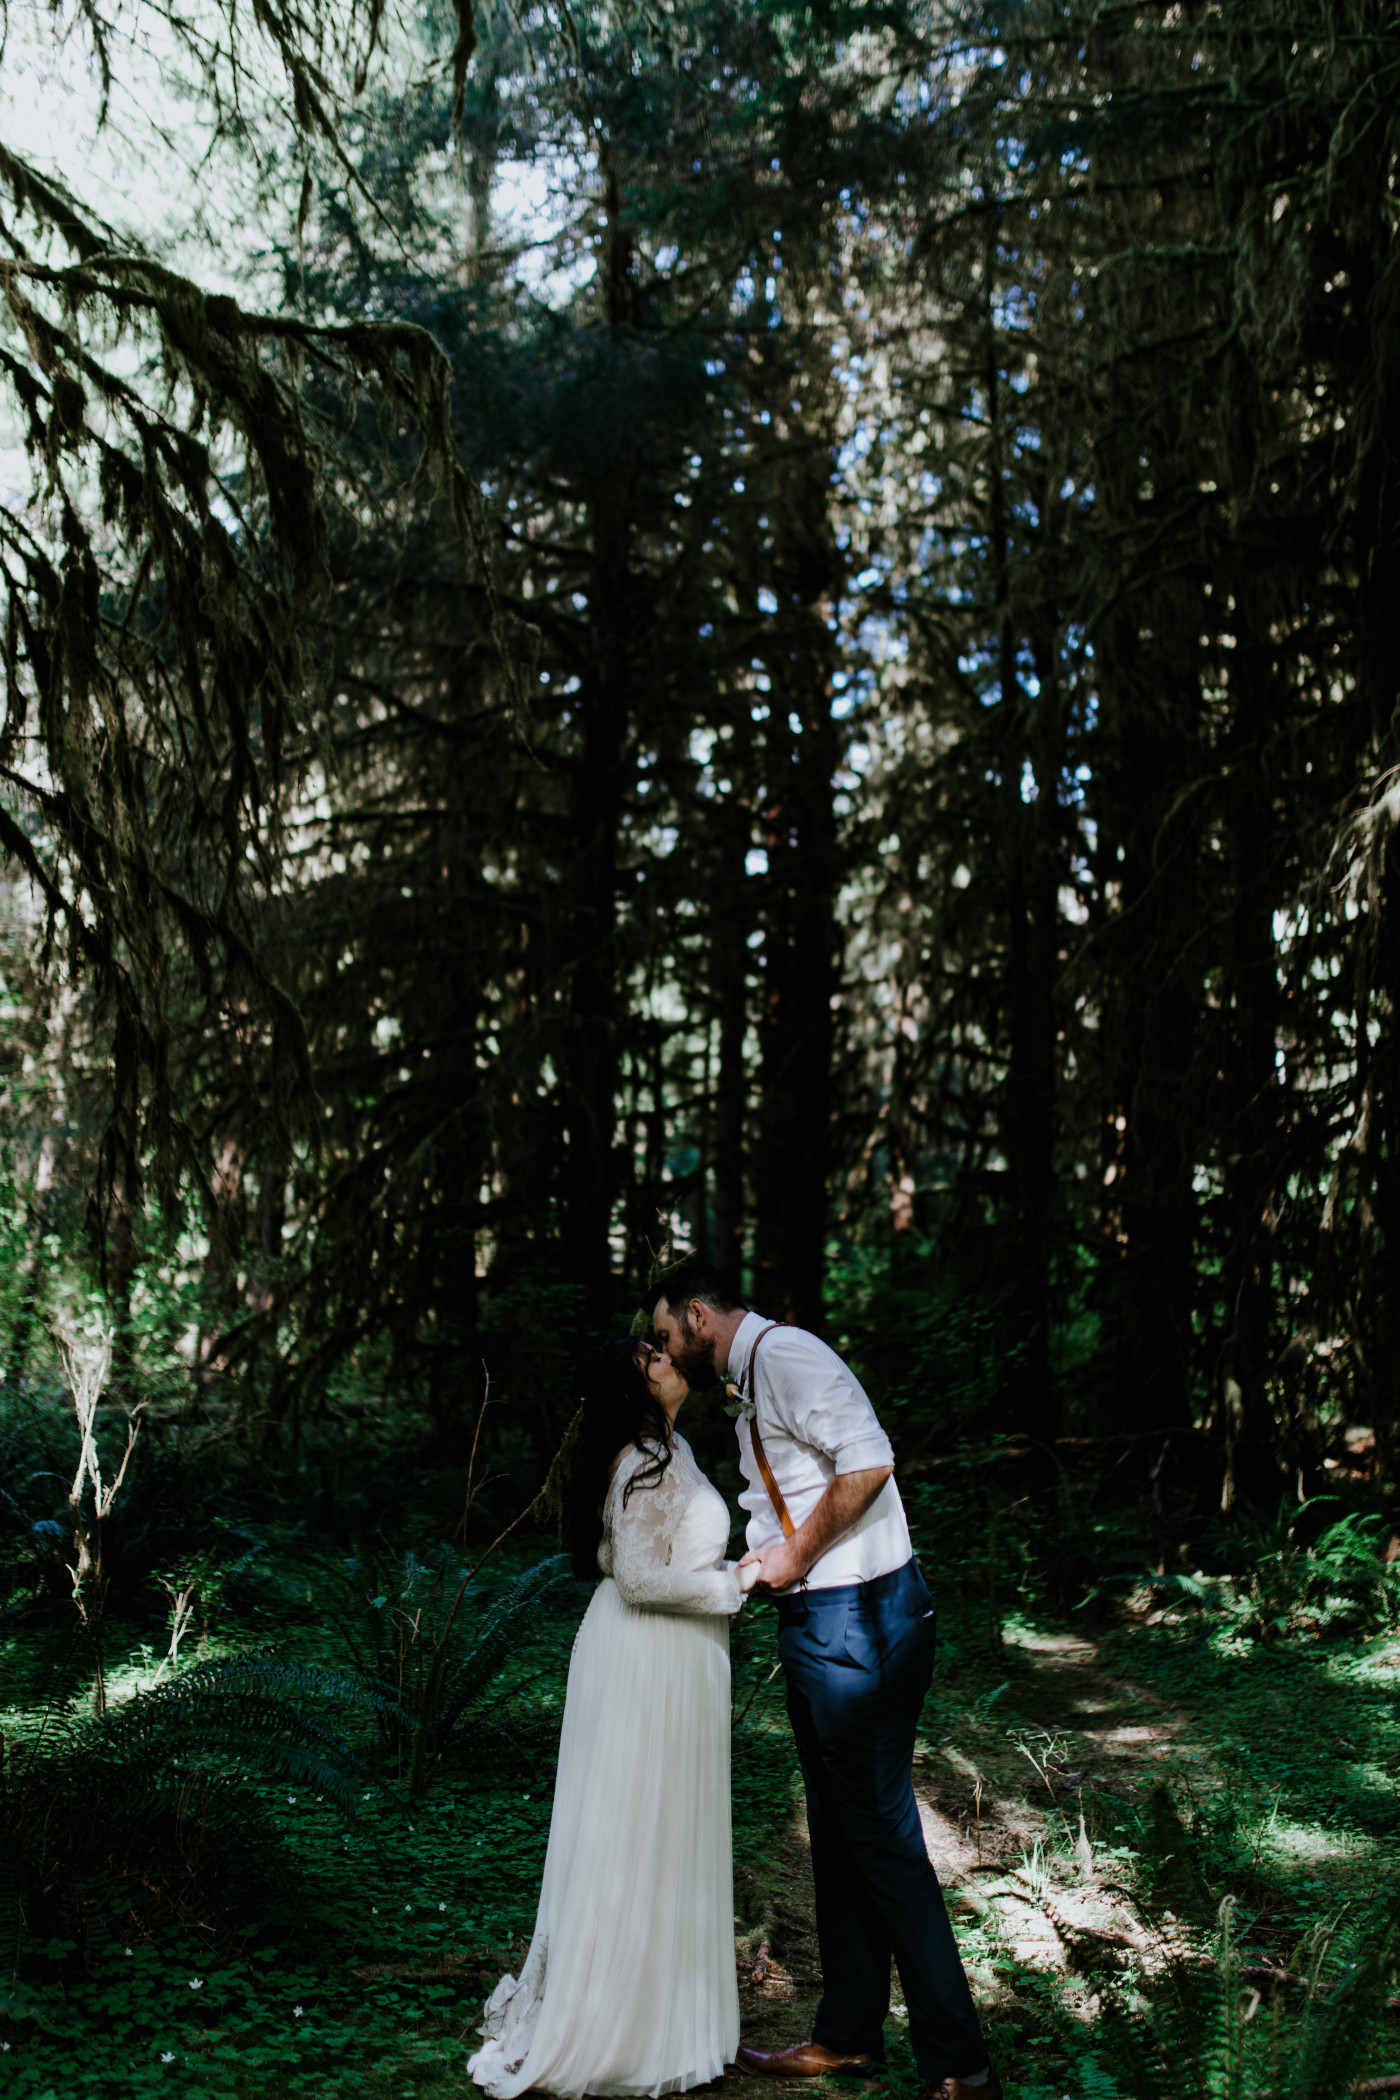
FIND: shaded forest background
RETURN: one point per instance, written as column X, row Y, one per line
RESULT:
column 753, row 628
column 702, row 623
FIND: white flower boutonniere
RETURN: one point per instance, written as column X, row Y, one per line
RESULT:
column 737, row 1402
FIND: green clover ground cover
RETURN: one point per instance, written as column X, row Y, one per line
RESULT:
column 368, row 1977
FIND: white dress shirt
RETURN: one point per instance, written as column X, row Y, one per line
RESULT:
column 816, row 1421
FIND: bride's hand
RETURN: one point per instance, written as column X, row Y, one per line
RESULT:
column 748, row 1572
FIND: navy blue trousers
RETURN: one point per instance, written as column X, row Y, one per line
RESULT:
column 858, row 1660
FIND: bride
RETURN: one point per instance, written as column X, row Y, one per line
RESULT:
column 629, row 1985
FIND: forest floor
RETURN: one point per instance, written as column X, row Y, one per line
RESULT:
column 1089, row 1806
column 1089, row 1803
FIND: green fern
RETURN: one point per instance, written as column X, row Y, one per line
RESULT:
column 1190, row 2030
column 479, row 1670
column 148, row 1809
column 432, row 1665
column 1349, row 1977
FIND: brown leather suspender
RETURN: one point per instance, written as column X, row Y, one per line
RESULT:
column 775, row 1493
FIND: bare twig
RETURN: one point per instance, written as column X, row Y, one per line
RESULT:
column 471, row 1462
column 755, row 1692
column 86, row 1356
column 181, row 1612
column 1037, row 1768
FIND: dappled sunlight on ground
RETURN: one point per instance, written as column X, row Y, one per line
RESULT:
column 1087, row 1807
column 1297, row 1844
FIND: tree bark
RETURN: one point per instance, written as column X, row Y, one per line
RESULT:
column 1151, row 1009
column 798, row 974
column 1249, row 1135
column 1025, row 748
column 590, row 1051
column 729, row 979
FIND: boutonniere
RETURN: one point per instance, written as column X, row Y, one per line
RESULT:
column 737, row 1402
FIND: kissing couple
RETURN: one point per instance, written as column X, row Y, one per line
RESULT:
column 629, row 1985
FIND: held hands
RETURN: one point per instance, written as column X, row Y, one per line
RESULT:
column 844, row 1503
column 774, row 1567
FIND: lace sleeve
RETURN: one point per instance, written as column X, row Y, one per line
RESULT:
column 640, row 1534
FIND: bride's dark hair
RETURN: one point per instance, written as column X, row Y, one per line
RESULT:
column 619, row 1408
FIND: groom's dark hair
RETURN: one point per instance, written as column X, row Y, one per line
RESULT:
column 693, row 1277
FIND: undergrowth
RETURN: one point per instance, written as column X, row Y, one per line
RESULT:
column 241, row 1896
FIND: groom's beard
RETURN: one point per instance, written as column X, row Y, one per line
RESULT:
column 695, row 1360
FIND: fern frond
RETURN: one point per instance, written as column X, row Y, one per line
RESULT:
column 275, row 1680
column 500, row 1635
column 1340, row 2025
column 1223, row 2054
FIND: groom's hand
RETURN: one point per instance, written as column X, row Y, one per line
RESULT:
column 775, row 1567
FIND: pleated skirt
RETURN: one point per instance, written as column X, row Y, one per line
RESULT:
column 629, row 1985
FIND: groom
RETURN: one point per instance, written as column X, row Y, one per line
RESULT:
column 828, row 1537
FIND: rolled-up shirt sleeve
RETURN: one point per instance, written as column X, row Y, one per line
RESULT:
column 813, row 1397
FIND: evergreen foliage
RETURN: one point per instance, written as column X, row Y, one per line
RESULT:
column 159, row 583
column 901, row 795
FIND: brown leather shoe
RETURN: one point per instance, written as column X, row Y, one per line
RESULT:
column 954, row 2089
column 804, row 2060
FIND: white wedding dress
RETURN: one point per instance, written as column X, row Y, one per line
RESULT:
column 629, row 1985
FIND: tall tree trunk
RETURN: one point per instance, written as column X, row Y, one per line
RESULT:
column 226, row 1224
column 32, row 1265
column 729, row 978
column 798, row 981
column 1376, row 294
column 1153, row 1277
column 1150, row 1010
column 1025, row 747
column 591, row 1050
column 1249, row 1133
column 731, row 1099
column 590, row 1057
column 121, row 1274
